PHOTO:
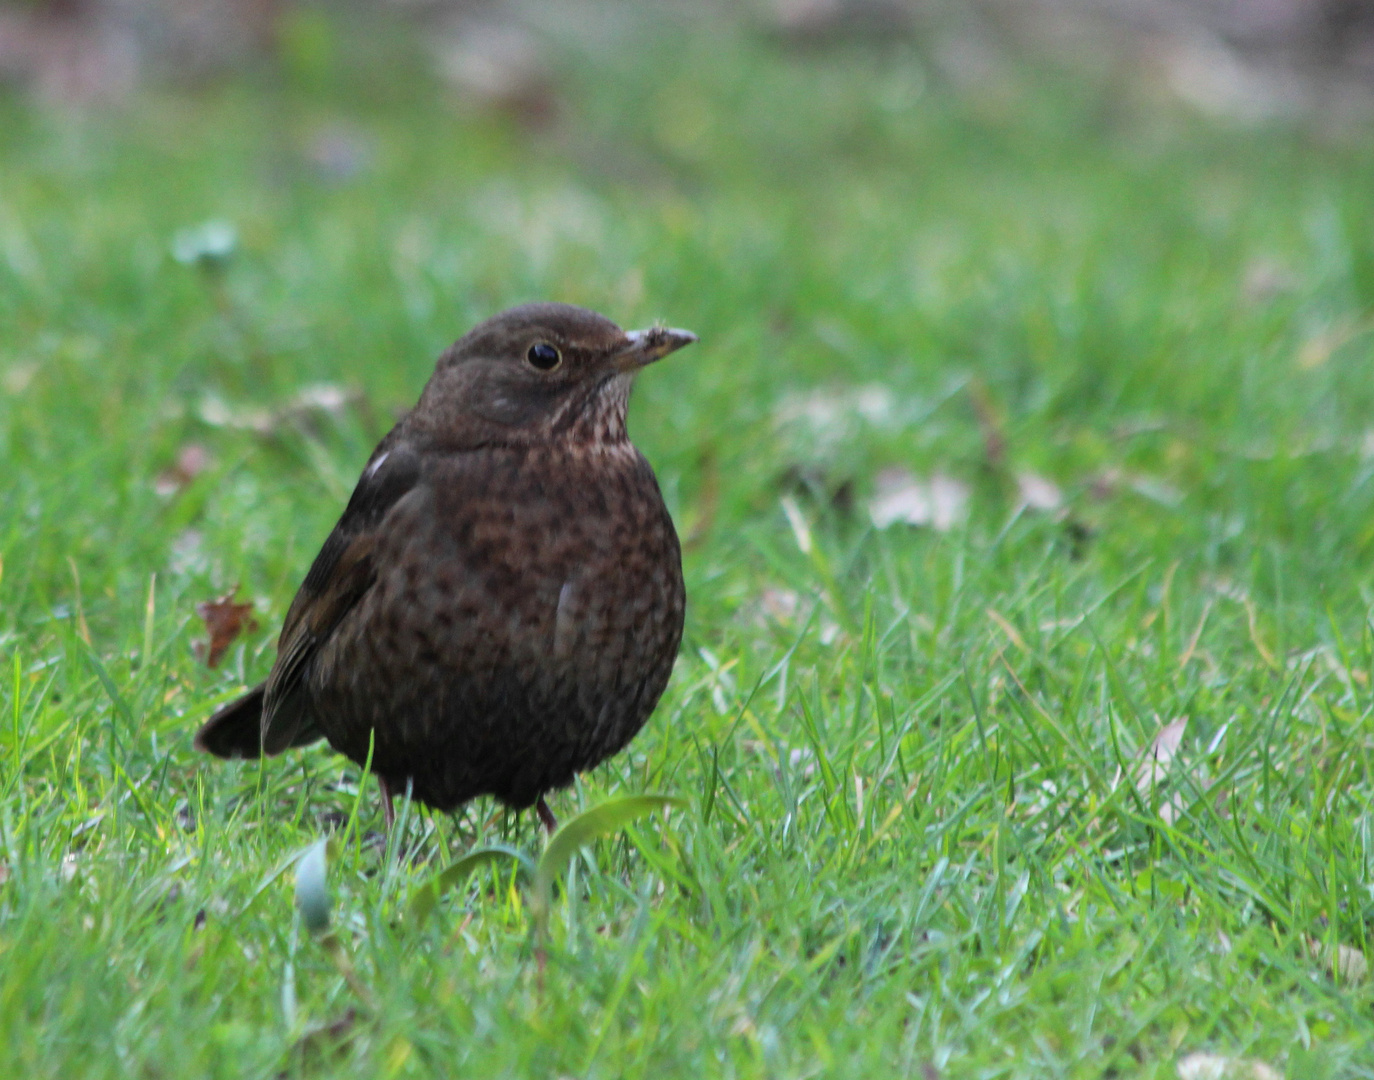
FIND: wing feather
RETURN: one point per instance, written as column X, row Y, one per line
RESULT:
column 340, row 576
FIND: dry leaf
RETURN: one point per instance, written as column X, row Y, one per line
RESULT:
column 192, row 460
column 1036, row 493
column 1345, row 963
column 1112, row 480
column 1153, row 767
column 302, row 411
column 4, row 873
column 1156, row 759
column 225, row 620
column 1216, row 1067
column 827, row 417
column 902, row 498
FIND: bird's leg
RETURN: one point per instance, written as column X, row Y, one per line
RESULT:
column 545, row 815
column 388, row 810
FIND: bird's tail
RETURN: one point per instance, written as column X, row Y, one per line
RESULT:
column 235, row 730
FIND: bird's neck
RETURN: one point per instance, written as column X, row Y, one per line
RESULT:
column 596, row 419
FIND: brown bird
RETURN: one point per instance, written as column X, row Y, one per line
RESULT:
column 500, row 605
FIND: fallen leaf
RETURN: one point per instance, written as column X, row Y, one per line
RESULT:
column 192, row 460
column 1036, row 493
column 903, row 498
column 301, row 412
column 1112, row 480
column 4, row 873
column 1216, row 1067
column 1161, row 751
column 1153, row 767
column 832, row 414
column 225, row 620
column 1346, row 963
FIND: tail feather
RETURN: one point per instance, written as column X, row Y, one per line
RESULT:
column 235, row 729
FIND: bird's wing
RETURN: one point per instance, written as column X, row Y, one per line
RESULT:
column 342, row 573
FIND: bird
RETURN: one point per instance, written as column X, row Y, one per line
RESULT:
column 501, row 603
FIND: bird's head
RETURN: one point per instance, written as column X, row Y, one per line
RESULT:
column 539, row 372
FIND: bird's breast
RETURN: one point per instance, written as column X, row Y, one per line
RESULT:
column 563, row 554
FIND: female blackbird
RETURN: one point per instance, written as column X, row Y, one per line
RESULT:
column 501, row 602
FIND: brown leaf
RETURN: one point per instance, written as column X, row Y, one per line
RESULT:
column 225, row 620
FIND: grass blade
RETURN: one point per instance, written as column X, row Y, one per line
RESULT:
column 581, row 830
column 426, row 896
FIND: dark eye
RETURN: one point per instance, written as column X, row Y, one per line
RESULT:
column 543, row 356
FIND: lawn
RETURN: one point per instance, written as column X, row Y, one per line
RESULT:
column 1072, row 782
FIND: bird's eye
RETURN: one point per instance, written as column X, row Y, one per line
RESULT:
column 543, row 356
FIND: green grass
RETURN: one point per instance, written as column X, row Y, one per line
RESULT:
column 908, row 843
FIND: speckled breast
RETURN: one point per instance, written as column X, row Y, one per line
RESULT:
column 527, row 608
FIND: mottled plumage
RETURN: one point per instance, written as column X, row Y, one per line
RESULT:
column 501, row 602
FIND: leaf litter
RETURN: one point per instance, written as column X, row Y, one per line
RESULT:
column 224, row 620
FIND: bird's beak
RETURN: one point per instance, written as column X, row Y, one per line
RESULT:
column 645, row 346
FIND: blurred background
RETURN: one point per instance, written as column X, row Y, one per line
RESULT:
column 1249, row 58
column 1098, row 261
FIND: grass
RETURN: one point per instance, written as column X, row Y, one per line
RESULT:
column 912, row 839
